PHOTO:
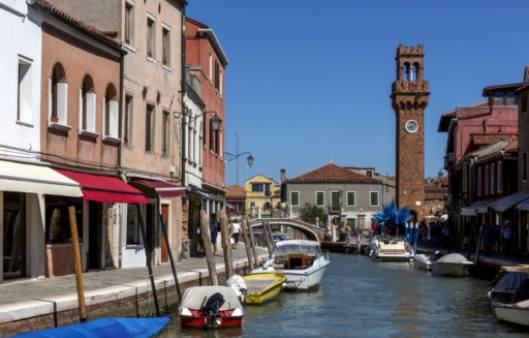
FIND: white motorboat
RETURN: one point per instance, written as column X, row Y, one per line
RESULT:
column 424, row 262
column 391, row 249
column 452, row 264
column 510, row 298
column 301, row 262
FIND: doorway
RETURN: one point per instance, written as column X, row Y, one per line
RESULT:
column 95, row 237
column 163, row 245
column 14, row 235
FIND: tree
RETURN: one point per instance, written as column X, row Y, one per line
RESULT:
column 309, row 213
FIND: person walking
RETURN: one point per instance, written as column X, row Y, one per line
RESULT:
column 214, row 231
column 235, row 232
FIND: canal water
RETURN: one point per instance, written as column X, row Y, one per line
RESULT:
column 362, row 298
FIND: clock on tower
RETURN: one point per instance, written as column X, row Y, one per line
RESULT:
column 409, row 97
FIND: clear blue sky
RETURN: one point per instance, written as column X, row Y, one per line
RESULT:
column 309, row 81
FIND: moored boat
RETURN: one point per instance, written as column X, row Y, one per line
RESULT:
column 510, row 298
column 424, row 262
column 391, row 249
column 211, row 307
column 105, row 328
column 453, row 264
column 262, row 287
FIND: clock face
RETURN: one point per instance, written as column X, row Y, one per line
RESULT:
column 411, row 126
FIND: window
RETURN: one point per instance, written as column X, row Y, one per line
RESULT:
column 217, row 76
column 166, row 46
column 133, row 225
column 220, row 82
column 151, row 36
column 267, row 206
column 373, row 198
column 149, row 127
column 510, row 99
column 499, row 178
column 487, row 179
column 524, row 166
column 406, row 71
column 320, row 198
column 14, row 214
column 195, row 142
column 111, row 112
column 523, row 103
column 335, row 201
column 351, row 222
column 58, row 220
column 493, row 178
column 24, row 95
column 58, row 95
column 294, row 198
column 480, row 181
column 165, row 133
column 200, row 142
column 498, row 98
column 129, row 23
column 87, row 105
column 261, row 187
column 210, row 67
column 127, row 123
column 214, row 138
column 351, row 198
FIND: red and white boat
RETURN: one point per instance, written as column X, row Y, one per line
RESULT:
column 211, row 307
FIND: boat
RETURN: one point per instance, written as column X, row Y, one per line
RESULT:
column 452, row 264
column 424, row 262
column 262, row 287
column 391, row 249
column 510, row 298
column 106, row 327
column 300, row 261
column 211, row 307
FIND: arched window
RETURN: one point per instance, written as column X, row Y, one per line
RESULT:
column 416, row 71
column 58, row 95
column 111, row 112
column 413, row 72
column 87, row 105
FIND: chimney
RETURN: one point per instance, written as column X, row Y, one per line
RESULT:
column 283, row 175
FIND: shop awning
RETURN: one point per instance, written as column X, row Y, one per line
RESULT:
column 106, row 189
column 36, row 179
column 508, row 202
column 474, row 209
column 524, row 206
column 161, row 188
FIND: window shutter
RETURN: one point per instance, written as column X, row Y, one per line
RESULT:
column 113, row 118
column 62, row 102
column 81, row 109
column 91, row 112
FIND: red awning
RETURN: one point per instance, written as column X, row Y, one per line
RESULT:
column 107, row 189
column 162, row 188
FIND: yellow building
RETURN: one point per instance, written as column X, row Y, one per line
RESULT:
column 263, row 194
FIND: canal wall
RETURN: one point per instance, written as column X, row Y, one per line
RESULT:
column 132, row 298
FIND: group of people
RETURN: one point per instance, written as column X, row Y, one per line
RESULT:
column 214, row 228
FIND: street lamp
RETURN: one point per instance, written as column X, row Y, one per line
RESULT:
column 231, row 156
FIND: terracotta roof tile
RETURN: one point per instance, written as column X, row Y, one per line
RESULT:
column 235, row 192
column 78, row 23
column 331, row 173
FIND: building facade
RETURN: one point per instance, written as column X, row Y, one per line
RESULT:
column 342, row 193
column 262, row 196
column 235, row 201
column 409, row 95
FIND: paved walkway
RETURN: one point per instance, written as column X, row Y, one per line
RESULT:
column 28, row 298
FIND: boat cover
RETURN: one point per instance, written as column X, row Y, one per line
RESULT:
column 452, row 258
column 196, row 297
column 105, row 327
column 512, row 288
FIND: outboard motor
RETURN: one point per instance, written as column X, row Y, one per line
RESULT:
column 212, row 308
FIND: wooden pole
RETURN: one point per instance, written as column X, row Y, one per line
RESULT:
column 252, row 243
column 171, row 260
column 77, row 264
column 147, row 247
column 208, row 248
column 267, row 233
column 226, row 245
column 246, row 237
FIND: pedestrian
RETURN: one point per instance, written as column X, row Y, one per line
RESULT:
column 506, row 237
column 214, row 230
column 235, row 232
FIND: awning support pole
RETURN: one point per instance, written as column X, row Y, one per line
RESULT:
column 147, row 247
column 77, row 264
column 171, row 260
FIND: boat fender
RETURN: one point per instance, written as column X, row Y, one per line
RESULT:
column 238, row 285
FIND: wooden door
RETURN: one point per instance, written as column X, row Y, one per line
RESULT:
column 163, row 244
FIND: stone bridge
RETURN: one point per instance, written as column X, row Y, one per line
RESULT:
column 311, row 231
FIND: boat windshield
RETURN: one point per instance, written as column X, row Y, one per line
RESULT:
column 297, row 248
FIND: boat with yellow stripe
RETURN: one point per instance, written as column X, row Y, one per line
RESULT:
column 262, row 287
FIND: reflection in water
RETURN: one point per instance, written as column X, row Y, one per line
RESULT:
column 362, row 298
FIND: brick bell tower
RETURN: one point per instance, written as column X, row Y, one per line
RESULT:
column 409, row 97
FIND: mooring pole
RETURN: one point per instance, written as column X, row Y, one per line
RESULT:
column 267, row 233
column 171, row 260
column 226, row 244
column 147, row 247
column 252, row 244
column 77, row 264
column 208, row 248
column 246, row 237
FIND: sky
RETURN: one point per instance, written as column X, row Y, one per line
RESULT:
column 309, row 81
